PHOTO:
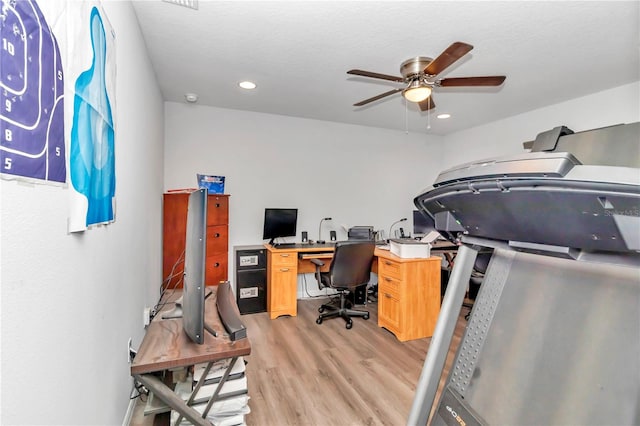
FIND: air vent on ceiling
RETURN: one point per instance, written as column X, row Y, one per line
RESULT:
column 193, row 4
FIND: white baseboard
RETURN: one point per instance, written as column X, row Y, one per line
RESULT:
column 132, row 405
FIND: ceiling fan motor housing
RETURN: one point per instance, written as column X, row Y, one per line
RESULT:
column 414, row 67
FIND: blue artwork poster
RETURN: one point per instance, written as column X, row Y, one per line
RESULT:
column 92, row 157
column 91, row 81
column 31, row 96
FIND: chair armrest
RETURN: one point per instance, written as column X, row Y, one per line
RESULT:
column 317, row 262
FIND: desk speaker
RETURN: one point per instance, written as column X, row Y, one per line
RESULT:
column 332, row 235
column 305, row 237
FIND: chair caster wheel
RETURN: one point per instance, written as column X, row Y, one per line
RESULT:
column 319, row 321
column 349, row 325
column 321, row 309
column 366, row 317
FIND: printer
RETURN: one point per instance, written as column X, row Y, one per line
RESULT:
column 360, row 233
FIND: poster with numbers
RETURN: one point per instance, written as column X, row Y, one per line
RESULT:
column 32, row 144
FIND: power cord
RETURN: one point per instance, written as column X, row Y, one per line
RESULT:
column 141, row 391
column 164, row 287
column 306, row 290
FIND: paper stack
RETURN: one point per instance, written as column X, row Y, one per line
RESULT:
column 232, row 403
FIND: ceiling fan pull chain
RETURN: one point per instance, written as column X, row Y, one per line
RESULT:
column 406, row 117
column 428, row 120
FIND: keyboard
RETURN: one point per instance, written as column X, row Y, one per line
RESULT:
column 284, row 245
column 303, row 245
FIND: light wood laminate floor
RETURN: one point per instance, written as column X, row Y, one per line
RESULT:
column 302, row 373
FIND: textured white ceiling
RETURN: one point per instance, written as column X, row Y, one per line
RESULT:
column 298, row 53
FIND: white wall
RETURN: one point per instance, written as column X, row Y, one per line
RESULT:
column 505, row 137
column 356, row 175
column 69, row 303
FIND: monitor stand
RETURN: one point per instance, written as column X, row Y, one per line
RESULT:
column 176, row 312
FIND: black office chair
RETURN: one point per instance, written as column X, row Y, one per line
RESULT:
column 477, row 276
column 350, row 268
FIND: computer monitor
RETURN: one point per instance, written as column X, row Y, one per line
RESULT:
column 422, row 224
column 279, row 223
column 190, row 306
column 193, row 293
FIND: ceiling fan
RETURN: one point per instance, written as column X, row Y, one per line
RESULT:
column 419, row 75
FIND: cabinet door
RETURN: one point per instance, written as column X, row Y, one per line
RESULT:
column 282, row 284
column 174, row 228
column 282, row 291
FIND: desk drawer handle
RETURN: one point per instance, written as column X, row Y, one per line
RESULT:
column 387, row 295
column 284, row 255
column 284, row 270
column 217, row 235
column 216, row 264
column 217, row 204
column 387, row 279
column 388, row 263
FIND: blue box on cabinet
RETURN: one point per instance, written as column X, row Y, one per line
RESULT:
column 213, row 184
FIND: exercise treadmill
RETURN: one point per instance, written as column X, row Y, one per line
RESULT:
column 554, row 334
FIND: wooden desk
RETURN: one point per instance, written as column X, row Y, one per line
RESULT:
column 447, row 249
column 166, row 347
column 283, row 267
column 408, row 289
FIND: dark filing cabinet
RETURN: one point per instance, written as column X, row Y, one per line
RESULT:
column 359, row 295
column 251, row 278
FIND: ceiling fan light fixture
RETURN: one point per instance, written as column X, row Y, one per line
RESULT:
column 416, row 92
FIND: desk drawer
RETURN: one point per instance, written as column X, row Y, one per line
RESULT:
column 286, row 259
column 217, row 239
column 389, row 285
column 390, row 268
column 388, row 311
column 217, row 210
column 216, row 268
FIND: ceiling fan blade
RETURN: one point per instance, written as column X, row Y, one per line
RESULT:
column 427, row 104
column 494, row 80
column 380, row 96
column 454, row 52
column 375, row 75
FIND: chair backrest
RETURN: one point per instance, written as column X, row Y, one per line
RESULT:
column 351, row 264
column 482, row 262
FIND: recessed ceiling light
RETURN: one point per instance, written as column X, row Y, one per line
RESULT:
column 247, row 85
column 443, row 116
column 191, row 97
